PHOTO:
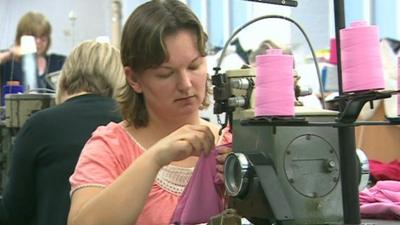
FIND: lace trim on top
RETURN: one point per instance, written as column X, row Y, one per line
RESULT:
column 174, row 178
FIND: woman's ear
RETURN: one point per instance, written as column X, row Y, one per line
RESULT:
column 131, row 78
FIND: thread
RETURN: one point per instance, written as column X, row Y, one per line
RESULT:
column 333, row 52
column 274, row 92
column 28, row 44
column 361, row 60
column 29, row 62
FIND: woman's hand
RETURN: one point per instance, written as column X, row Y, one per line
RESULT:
column 222, row 151
column 13, row 52
column 16, row 51
column 188, row 140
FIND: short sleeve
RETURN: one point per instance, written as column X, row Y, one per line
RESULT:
column 106, row 155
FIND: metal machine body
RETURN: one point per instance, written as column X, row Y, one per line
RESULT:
column 299, row 165
column 18, row 108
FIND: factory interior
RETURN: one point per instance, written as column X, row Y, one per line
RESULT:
column 242, row 112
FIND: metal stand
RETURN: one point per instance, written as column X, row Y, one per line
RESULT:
column 348, row 170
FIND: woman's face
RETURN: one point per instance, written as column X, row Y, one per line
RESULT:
column 178, row 86
column 42, row 41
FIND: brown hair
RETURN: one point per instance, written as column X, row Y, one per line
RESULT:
column 143, row 47
column 35, row 24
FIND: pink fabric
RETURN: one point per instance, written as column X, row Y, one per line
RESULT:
column 384, row 171
column 202, row 197
column 382, row 201
column 107, row 154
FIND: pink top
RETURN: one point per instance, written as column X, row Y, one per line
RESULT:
column 110, row 151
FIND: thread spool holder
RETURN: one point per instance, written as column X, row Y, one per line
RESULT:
column 350, row 105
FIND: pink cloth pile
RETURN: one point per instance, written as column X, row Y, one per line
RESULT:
column 382, row 201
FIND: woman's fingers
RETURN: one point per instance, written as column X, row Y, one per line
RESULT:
column 205, row 136
column 223, row 151
column 220, row 168
column 220, row 178
column 184, row 142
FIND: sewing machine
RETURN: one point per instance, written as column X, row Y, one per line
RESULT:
column 301, row 170
column 283, row 170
